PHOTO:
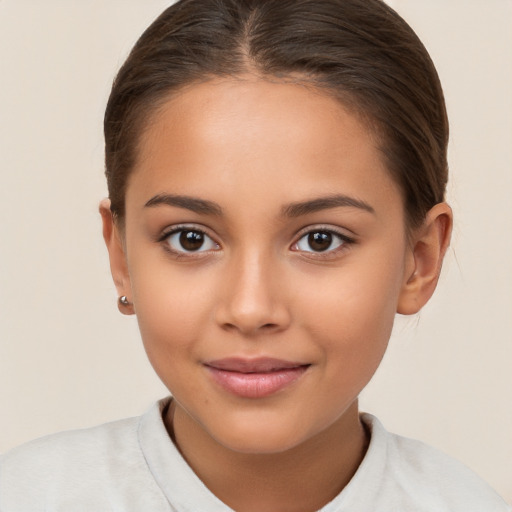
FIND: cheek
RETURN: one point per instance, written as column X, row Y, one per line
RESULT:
column 352, row 311
column 362, row 294
column 172, row 310
column 170, row 328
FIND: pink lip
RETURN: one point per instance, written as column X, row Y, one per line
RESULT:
column 255, row 378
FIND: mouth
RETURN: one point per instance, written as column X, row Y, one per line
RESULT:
column 255, row 378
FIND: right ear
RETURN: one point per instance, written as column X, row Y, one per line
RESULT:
column 117, row 256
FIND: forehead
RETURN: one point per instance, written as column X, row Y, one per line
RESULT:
column 241, row 135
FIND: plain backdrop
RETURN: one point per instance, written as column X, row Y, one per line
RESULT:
column 68, row 359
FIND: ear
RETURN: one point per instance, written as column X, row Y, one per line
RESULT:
column 117, row 256
column 428, row 247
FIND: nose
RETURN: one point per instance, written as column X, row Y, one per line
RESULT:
column 253, row 300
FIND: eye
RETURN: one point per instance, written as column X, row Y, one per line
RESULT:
column 189, row 241
column 321, row 240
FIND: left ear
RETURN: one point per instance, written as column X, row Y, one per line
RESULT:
column 428, row 247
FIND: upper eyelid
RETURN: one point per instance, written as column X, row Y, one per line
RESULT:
column 343, row 232
column 170, row 230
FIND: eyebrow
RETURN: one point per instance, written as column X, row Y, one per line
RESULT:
column 205, row 207
column 193, row 204
column 324, row 203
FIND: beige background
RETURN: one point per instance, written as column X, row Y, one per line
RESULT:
column 68, row 359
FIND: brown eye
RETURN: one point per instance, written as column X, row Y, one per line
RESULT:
column 190, row 240
column 321, row 241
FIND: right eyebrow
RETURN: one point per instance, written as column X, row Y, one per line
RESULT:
column 193, row 204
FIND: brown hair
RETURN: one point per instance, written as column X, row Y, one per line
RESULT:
column 361, row 51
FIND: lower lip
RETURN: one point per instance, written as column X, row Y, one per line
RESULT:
column 256, row 385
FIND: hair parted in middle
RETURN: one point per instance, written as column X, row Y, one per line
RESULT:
column 360, row 51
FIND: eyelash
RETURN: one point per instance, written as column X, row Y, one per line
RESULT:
column 344, row 242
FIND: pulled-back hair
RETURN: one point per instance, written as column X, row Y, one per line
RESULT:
column 360, row 51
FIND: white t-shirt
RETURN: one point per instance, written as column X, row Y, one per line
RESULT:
column 133, row 466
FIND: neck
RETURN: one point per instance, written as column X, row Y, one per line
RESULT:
column 301, row 479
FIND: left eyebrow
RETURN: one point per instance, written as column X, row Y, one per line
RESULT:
column 324, row 203
column 201, row 206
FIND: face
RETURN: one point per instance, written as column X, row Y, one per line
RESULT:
column 265, row 257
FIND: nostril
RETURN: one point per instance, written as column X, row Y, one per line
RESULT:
column 265, row 327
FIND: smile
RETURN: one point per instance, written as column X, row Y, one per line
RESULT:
column 255, row 378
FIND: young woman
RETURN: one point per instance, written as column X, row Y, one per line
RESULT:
column 276, row 175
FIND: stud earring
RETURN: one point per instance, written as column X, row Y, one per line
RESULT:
column 123, row 301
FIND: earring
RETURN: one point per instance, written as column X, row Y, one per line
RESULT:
column 123, row 301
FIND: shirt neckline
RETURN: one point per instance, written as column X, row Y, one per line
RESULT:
column 185, row 492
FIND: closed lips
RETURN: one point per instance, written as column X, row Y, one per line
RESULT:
column 265, row 365
column 255, row 378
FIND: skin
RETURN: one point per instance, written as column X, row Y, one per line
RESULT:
column 254, row 148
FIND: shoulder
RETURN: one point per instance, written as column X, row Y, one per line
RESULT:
column 93, row 467
column 421, row 473
column 54, row 450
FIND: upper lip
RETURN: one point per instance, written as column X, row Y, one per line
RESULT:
column 257, row 365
